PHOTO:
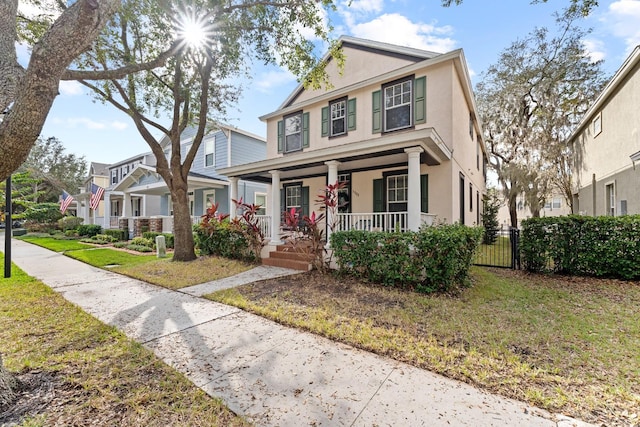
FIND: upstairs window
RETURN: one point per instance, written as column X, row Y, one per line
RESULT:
column 597, row 125
column 209, row 151
column 114, row 176
column 338, row 117
column 398, row 100
column 293, row 133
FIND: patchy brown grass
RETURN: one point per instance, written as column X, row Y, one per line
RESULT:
column 176, row 275
column 77, row 371
column 569, row 345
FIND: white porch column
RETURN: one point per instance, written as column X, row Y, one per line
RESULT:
column 126, row 205
column 332, row 177
column 233, row 195
column 413, row 188
column 143, row 202
column 106, row 221
column 275, row 207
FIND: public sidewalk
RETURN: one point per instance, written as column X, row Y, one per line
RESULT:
column 271, row 374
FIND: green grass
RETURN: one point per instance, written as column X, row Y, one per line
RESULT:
column 103, row 257
column 497, row 254
column 55, row 245
column 568, row 345
column 99, row 375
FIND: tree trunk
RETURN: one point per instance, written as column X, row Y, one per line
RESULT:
column 513, row 213
column 182, row 229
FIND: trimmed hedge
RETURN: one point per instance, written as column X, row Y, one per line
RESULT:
column 168, row 237
column 580, row 245
column 436, row 258
column 225, row 240
column 89, row 230
column 69, row 223
column 117, row 233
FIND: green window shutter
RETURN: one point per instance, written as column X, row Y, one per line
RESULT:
column 280, row 136
column 424, row 193
column 351, row 114
column 377, row 111
column 420, row 100
column 305, row 130
column 378, row 195
column 305, row 201
column 325, row 121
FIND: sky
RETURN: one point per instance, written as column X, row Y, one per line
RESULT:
column 482, row 28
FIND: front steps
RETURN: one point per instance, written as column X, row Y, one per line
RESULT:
column 289, row 256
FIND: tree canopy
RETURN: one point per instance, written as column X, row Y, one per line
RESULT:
column 209, row 46
column 529, row 102
column 583, row 7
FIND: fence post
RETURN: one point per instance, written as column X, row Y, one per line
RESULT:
column 515, row 248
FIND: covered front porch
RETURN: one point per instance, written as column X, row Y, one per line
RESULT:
column 386, row 182
column 141, row 201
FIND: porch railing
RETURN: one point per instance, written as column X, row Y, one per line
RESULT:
column 378, row 221
column 264, row 222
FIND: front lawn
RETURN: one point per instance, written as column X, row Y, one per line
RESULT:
column 56, row 245
column 569, row 345
column 78, row 371
column 143, row 266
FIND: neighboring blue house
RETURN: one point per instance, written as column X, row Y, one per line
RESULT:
column 137, row 193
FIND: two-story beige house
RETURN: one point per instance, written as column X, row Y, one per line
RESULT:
column 399, row 128
column 606, row 147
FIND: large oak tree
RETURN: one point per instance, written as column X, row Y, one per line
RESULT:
column 212, row 43
column 529, row 102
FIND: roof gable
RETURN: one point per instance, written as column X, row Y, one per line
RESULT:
column 364, row 59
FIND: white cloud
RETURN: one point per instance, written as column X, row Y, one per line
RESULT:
column 366, row 6
column 595, row 49
column 70, row 88
column 622, row 18
column 268, row 81
column 87, row 123
column 400, row 30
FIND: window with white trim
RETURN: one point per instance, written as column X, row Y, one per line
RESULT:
column 209, row 199
column 293, row 197
column 597, row 125
column 398, row 104
column 293, row 133
column 114, row 176
column 209, row 152
column 557, row 203
column 610, row 191
column 397, row 190
column 338, row 111
column 260, row 199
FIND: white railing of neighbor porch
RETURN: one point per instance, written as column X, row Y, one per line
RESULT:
column 378, row 221
column 264, row 222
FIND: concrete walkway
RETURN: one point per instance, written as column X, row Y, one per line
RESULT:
column 271, row 374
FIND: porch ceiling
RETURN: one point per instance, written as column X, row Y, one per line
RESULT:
column 385, row 151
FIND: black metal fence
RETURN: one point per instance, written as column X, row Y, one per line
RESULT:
column 504, row 252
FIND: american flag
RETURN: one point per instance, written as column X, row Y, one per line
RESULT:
column 96, row 196
column 65, row 201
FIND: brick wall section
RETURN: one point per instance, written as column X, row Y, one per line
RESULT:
column 155, row 225
column 140, row 225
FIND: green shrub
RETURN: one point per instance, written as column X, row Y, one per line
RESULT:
column 89, row 230
column 116, row 233
column 69, row 223
column 120, row 244
column 223, row 239
column 168, row 237
column 71, row 233
column 142, row 241
column 436, row 258
column 580, row 245
column 139, row 248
